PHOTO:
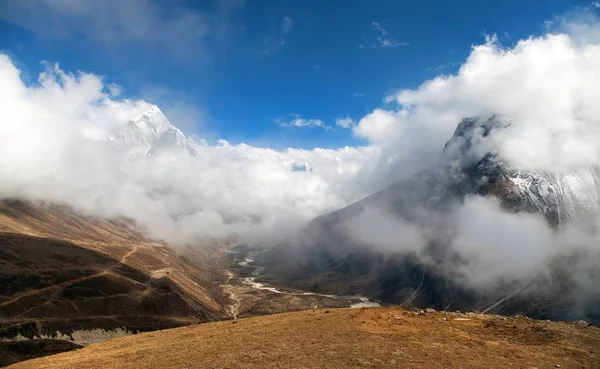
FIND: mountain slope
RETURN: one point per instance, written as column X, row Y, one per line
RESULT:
column 15, row 351
column 347, row 338
column 333, row 254
column 63, row 272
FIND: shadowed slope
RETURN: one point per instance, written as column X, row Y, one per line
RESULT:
column 370, row 247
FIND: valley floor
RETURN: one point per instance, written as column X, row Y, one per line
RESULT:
column 249, row 297
column 384, row 337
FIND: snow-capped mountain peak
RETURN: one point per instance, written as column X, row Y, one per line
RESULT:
column 561, row 197
column 152, row 122
column 150, row 133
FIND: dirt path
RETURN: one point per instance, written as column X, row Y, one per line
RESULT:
column 234, row 308
column 59, row 287
column 124, row 258
column 50, row 288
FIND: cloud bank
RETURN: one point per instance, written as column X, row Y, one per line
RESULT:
column 54, row 139
column 546, row 85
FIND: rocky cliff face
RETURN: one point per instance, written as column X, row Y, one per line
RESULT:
column 325, row 256
column 562, row 197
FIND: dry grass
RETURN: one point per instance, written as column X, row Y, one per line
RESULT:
column 64, row 270
column 388, row 337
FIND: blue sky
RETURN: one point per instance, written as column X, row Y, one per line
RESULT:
column 237, row 70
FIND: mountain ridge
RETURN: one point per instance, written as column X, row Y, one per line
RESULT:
column 334, row 254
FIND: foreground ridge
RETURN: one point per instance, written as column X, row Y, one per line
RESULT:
column 385, row 337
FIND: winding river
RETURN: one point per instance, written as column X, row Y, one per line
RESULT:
column 251, row 281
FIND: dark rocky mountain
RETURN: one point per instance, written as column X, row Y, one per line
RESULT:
column 325, row 257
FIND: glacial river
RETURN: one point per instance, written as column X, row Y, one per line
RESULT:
column 251, row 281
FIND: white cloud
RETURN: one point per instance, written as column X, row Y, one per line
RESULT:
column 596, row 4
column 388, row 43
column 358, row 95
column 500, row 244
column 286, row 25
column 178, row 107
column 383, row 41
column 298, row 121
column 346, row 122
column 114, row 89
column 378, row 27
column 54, row 146
column 119, row 25
column 277, row 39
column 441, row 67
column 378, row 126
column 546, row 85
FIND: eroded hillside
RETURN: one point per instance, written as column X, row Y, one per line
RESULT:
column 62, row 272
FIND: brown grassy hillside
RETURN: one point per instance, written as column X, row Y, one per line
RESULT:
column 14, row 351
column 388, row 337
column 64, row 271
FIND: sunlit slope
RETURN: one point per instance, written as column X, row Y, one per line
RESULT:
column 64, row 271
column 347, row 338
